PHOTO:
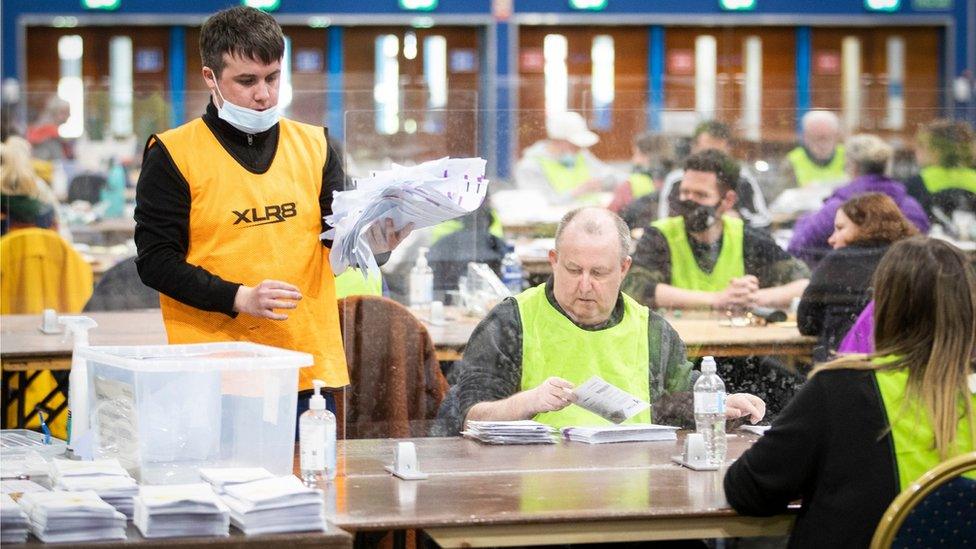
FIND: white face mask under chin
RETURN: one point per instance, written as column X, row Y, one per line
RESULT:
column 244, row 119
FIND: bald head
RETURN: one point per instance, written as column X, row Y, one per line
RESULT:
column 594, row 223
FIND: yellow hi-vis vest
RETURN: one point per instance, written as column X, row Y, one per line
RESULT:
column 552, row 345
column 641, row 184
column 564, row 179
column 246, row 228
column 807, row 172
column 937, row 178
column 911, row 427
column 351, row 282
column 685, row 272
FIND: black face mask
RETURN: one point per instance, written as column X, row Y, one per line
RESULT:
column 698, row 217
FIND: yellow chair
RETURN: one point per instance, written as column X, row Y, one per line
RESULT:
column 908, row 500
column 40, row 270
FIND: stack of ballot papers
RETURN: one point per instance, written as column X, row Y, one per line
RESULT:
column 219, row 478
column 424, row 195
column 13, row 521
column 180, row 510
column 635, row 432
column 105, row 477
column 71, row 517
column 275, row 505
column 523, row 431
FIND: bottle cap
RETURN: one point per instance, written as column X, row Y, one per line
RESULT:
column 317, row 402
column 708, row 365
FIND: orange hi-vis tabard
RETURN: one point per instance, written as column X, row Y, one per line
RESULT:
column 247, row 227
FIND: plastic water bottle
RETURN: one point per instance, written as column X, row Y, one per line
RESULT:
column 317, row 439
column 421, row 282
column 512, row 270
column 710, row 411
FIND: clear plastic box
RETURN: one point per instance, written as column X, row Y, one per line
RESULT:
column 165, row 411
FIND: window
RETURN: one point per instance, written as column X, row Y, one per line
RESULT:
column 70, row 87
column 120, row 85
column 602, row 56
column 386, row 87
column 555, row 50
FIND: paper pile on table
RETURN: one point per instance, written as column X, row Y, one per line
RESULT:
column 219, row 478
column 105, row 477
column 275, row 505
column 13, row 522
column 523, row 431
column 635, row 432
column 71, row 517
column 425, row 195
column 180, row 510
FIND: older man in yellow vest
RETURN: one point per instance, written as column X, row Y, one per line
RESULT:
column 819, row 160
column 528, row 354
column 229, row 208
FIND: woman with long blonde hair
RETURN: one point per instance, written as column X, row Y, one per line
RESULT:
column 865, row 426
column 25, row 199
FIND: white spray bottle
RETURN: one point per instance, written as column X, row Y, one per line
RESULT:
column 79, row 438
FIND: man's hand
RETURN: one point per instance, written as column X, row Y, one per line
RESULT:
column 552, row 394
column 740, row 293
column 744, row 404
column 262, row 300
column 383, row 238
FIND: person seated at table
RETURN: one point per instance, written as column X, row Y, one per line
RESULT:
column 947, row 182
column 819, row 159
column 750, row 204
column 868, row 157
column 653, row 157
column 561, row 167
column 864, row 427
column 864, row 227
column 706, row 259
column 25, row 199
column 527, row 355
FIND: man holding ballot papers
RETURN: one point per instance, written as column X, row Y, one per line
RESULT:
column 530, row 356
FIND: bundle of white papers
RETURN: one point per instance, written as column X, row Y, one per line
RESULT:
column 221, row 477
column 180, row 510
column 106, row 477
column 13, row 522
column 275, row 505
column 425, row 195
column 509, row 432
column 71, row 517
column 635, row 432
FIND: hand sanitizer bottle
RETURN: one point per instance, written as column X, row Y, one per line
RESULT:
column 317, row 439
column 421, row 282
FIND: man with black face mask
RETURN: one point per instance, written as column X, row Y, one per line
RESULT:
column 705, row 258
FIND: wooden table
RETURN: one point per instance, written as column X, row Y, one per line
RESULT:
column 335, row 538
column 480, row 495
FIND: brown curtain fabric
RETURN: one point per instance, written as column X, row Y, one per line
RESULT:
column 396, row 384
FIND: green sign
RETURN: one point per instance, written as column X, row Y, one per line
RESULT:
column 101, row 4
column 418, row 5
column 263, row 5
column 920, row 5
column 738, row 5
column 592, row 5
column 882, row 5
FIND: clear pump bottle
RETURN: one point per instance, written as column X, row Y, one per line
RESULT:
column 317, row 439
column 421, row 281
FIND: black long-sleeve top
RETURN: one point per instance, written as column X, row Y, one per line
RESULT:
column 163, row 215
column 839, row 290
column 830, row 448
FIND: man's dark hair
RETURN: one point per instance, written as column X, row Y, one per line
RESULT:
column 243, row 32
column 714, row 161
column 713, row 128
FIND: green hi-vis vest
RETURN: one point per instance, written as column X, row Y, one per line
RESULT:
column 807, row 172
column 911, row 428
column 351, row 282
column 452, row 226
column 937, row 178
column 685, row 272
column 641, row 184
column 552, row 345
column 564, row 179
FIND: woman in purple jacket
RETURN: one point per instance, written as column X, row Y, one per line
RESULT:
column 867, row 158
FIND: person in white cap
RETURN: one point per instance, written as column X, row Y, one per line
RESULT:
column 561, row 167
